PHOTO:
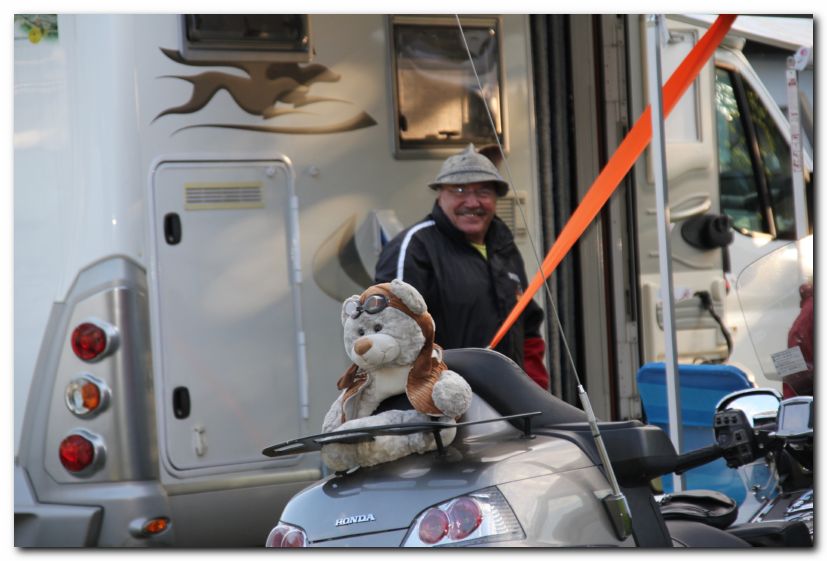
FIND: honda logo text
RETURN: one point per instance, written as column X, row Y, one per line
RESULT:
column 356, row 519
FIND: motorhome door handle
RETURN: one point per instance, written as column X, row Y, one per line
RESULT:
column 181, row 402
column 693, row 205
column 172, row 228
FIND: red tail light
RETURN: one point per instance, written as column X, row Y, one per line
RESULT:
column 465, row 516
column 477, row 518
column 82, row 452
column 92, row 340
column 76, row 453
column 285, row 535
column 434, row 526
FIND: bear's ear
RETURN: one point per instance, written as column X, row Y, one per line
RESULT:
column 354, row 298
column 409, row 296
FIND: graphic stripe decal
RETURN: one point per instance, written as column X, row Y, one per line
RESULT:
column 400, row 264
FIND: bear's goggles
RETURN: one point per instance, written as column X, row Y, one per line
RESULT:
column 374, row 304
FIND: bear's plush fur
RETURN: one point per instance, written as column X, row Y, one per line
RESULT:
column 393, row 352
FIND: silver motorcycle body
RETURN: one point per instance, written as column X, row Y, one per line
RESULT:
column 538, row 477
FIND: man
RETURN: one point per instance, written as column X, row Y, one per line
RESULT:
column 801, row 336
column 463, row 260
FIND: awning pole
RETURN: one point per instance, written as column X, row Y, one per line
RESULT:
column 654, row 28
column 796, row 63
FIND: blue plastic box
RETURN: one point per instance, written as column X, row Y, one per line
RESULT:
column 701, row 387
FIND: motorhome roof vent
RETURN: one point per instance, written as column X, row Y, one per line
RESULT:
column 212, row 196
column 509, row 213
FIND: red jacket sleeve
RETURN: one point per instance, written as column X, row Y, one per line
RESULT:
column 534, row 349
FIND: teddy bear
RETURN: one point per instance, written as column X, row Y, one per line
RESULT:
column 389, row 336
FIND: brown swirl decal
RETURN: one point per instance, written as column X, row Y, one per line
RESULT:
column 272, row 90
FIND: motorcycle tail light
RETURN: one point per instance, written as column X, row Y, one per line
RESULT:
column 286, row 535
column 474, row 519
column 466, row 516
column 433, row 526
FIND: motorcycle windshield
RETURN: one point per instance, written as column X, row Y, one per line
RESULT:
column 773, row 293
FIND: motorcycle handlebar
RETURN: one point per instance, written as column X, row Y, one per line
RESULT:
column 697, row 458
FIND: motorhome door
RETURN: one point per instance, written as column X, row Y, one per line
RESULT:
column 692, row 170
column 224, row 311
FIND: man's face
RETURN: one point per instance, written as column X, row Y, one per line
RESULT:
column 469, row 207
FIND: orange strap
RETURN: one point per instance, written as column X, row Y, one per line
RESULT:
column 619, row 165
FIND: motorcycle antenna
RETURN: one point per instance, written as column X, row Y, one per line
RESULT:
column 616, row 504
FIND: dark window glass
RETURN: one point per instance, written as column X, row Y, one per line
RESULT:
column 775, row 159
column 275, row 32
column 740, row 199
column 439, row 103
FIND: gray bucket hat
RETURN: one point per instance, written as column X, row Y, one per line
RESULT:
column 469, row 167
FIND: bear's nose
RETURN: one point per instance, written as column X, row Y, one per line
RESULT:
column 362, row 346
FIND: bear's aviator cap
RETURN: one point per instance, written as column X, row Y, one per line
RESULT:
column 469, row 167
column 425, row 370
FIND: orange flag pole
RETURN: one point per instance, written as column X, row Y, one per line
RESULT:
column 619, row 165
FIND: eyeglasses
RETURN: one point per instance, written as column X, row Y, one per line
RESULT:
column 463, row 191
column 374, row 304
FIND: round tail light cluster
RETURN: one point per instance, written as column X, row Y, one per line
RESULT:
column 92, row 340
column 285, row 535
column 458, row 521
column 477, row 518
column 81, row 452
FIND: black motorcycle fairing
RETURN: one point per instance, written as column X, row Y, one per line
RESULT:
column 776, row 533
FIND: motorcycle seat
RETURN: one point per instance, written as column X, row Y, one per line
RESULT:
column 638, row 452
column 507, row 388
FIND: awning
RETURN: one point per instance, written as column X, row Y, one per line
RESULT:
column 787, row 33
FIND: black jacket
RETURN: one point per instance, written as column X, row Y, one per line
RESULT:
column 468, row 296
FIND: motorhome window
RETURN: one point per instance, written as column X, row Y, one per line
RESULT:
column 272, row 34
column 740, row 198
column 438, row 103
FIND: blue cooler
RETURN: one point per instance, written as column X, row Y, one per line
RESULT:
column 702, row 386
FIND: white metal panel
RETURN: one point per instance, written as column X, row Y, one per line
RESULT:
column 782, row 32
column 226, row 315
column 692, row 170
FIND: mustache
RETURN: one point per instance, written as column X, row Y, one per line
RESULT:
column 472, row 212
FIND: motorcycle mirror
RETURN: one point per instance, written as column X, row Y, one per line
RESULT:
column 759, row 404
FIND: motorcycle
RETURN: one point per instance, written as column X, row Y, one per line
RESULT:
column 780, row 479
column 527, row 469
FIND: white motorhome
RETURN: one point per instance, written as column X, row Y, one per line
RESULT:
column 195, row 195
